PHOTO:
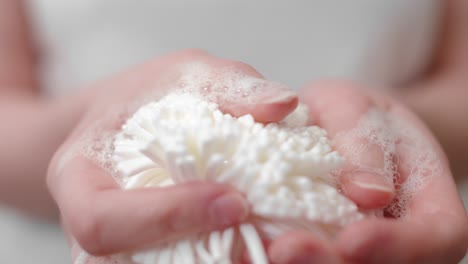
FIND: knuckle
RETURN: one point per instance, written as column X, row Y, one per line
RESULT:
column 175, row 221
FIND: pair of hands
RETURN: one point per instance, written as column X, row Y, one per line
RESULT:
column 103, row 219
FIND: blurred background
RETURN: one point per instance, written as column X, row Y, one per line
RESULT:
column 378, row 42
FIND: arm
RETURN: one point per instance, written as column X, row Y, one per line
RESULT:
column 32, row 128
column 440, row 98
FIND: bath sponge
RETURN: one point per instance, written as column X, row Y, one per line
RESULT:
column 282, row 168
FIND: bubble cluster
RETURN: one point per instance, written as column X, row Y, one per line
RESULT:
column 404, row 157
column 225, row 85
column 95, row 144
column 372, row 139
column 419, row 165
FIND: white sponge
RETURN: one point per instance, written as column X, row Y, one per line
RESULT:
column 283, row 169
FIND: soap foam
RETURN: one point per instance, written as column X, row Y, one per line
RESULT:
column 408, row 160
column 96, row 144
column 371, row 133
column 228, row 85
column 224, row 85
column 420, row 164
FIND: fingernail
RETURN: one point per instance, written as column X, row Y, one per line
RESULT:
column 279, row 97
column 276, row 96
column 371, row 181
column 268, row 92
column 228, row 209
column 372, row 186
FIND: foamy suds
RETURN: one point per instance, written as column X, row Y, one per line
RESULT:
column 421, row 163
column 299, row 117
column 82, row 258
column 96, row 144
column 225, row 85
column 371, row 135
column 402, row 149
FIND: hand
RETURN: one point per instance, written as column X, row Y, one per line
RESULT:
column 395, row 166
column 103, row 219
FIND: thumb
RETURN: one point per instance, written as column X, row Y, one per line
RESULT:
column 357, row 128
column 268, row 102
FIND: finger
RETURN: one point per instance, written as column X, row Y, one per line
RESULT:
column 430, row 240
column 238, row 88
column 265, row 100
column 340, row 108
column 301, row 248
column 268, row 109
column 105, row 219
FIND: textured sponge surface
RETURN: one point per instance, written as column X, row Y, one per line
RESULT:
column 283, row 169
